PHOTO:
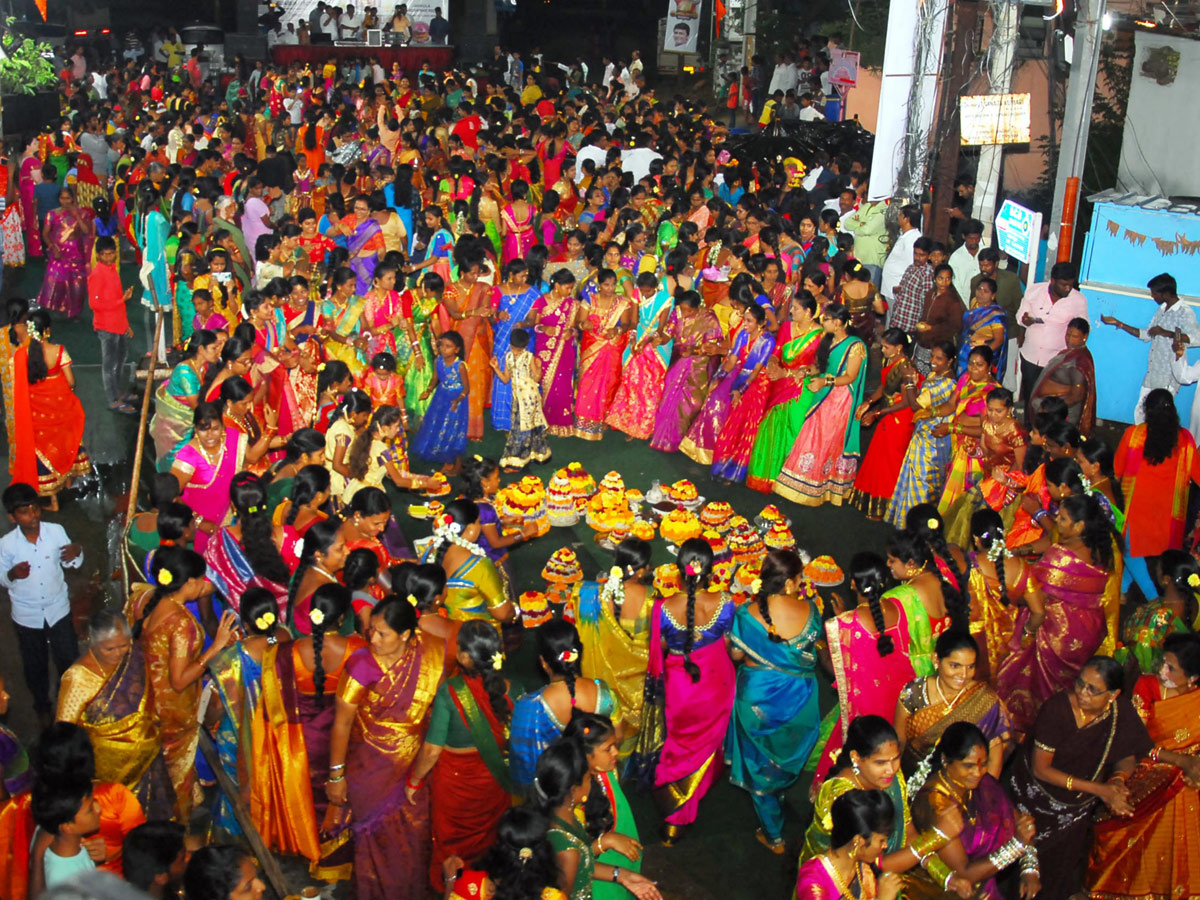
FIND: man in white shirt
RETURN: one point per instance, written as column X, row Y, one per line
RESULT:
column 901, row 257
column 965, row 260
column 635, row 65
column 32, row 557
column 610, row 72
column 808, row 112
column 351, row 24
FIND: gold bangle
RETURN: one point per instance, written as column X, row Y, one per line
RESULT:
column 1070, row 783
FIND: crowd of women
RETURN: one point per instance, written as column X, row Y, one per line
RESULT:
column 412, row 262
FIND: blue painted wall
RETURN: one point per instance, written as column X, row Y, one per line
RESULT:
column 1116, row 261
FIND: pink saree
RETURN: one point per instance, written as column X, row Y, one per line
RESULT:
column 33, row 235
column 1071, row 633
column 599, row 369
column 207, row 491
column 556, row 352
column 520, row 235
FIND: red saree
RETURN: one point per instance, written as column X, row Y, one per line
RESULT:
column 49, row 423
column 880, row 469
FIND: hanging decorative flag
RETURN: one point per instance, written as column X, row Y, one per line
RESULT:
column 718, row 17
column 41, row 7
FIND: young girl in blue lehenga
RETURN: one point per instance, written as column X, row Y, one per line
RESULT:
column 442, row 437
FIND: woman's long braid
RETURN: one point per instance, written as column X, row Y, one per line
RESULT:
column 569, row 676
column 764, row 609
column 689, row 637
column 884, row 645
column 318, row 644
column 497, row 690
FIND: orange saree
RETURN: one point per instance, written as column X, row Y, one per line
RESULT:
column 1153, row 854
column 49, row 419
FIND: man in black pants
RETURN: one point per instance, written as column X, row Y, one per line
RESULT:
column 32, row 557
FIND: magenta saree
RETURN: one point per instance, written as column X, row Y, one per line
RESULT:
column 25, row 184
column 599, row 368
column 696, row 712
column 207, row 490
column 519, row 236
column 645, row 372
column 701, row 438
column 1072, row 632
column 556, row 351
column 64, row 289
column 687, row 380
column 391, row 836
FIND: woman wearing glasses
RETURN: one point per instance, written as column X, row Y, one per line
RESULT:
column 1081, row 749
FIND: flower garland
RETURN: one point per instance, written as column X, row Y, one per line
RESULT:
column 447, row 530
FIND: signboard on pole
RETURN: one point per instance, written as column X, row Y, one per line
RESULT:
column 683, row 26
column 1018, row 231
column 995, row 119
column 843, row 68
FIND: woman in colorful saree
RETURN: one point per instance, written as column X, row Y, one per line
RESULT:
column 1080, row 751
column 969, row 407
column 697, row 337
column 999, row 584
column 366, row 245
column 613, row 620
column 870, row 761
column 540, row 716
column 959, row 795
column 172, row 642
column 823, row 462
column 605, row 324
column 236, row 673
column 290, row 736
column 247, row 553
column 68, row 236
column 383, row 699
column 860, row 822
column 793, row 361
column 868, row 653
column 690, row 669
column 516, row 223
column 415, row 355
column 775, row 722
column 1153, row 851
column 30, row 176
column 923, row 471
column 561, row 784
column 984, row 325
column 1073, row 575
column 513, row 301
column 890, row 406
column 520, row 864
column 466, row 308
column 644, row 363
column 750, row 349
column 1070, row 375
column 928, row 592
column 928, row 706
column 47, row 416
column 474, row 585
column 104, row 692
column 340, row 326
column 464, row 752
column 204, row 468
column 1156, row 462
column 555, row 314
column 607, row 815
column 1174, row 612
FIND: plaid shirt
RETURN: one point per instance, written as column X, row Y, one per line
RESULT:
column 909, row 297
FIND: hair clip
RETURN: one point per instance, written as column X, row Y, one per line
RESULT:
column 478, row 458
column 265, row 621
column 756, row 585
column 933, row 524
column 411, row 598
column 253, row 510
column 316, row 616
column 692, row 568
column 525, row 854
column 1194, row 580
column 165, row 577
column 497, row 660
column 569, row 656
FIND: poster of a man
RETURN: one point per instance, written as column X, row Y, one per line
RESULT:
column 683, row 26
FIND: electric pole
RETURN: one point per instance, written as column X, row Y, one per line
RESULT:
column 1077, row 122
column 1003, row 50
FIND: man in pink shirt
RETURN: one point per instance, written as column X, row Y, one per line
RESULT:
column 1045, row 310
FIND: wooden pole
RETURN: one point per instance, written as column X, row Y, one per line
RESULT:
column 266, row 859
column 140, row 446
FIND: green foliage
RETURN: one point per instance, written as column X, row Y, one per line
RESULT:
column 24, row 68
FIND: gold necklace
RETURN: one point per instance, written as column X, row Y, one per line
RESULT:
column 937, row 683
